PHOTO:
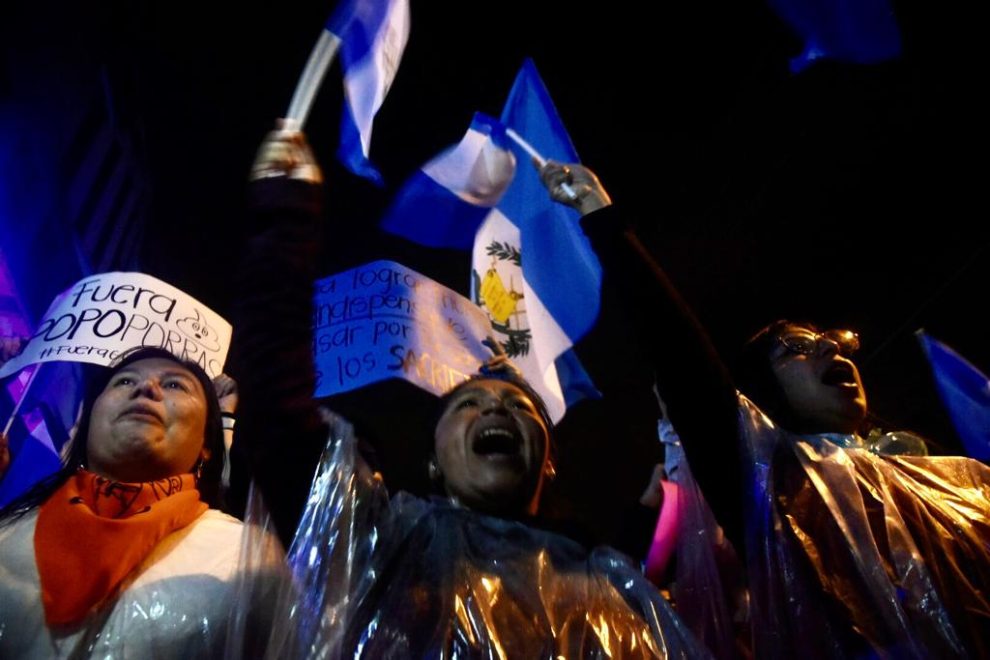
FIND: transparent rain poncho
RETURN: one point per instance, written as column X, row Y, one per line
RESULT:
column 203, row 589
column 855, row 554
column 707, row 580
column 407, row 577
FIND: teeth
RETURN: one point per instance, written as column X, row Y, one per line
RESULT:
column 496, row 441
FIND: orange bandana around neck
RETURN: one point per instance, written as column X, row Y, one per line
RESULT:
column 92, row 532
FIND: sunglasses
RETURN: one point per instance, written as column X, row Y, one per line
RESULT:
column 806, row 342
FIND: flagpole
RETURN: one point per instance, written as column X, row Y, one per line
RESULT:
column 312, row 76
column 17, row 406
column 535, row 155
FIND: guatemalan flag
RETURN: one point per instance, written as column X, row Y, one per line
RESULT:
column 533, row 270
column 965, row 392
column 531, row 252
column 373, row 35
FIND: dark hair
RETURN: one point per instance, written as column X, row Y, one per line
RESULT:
column 209, row 476
column 754, row 375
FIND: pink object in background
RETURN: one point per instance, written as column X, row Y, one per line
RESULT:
column 665, row 536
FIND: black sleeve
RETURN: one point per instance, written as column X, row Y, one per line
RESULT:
column 279, row 425
column 691, row 379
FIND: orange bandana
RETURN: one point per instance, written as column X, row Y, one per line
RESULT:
column 92, row 532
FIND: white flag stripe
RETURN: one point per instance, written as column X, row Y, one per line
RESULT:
column 547, row 340
column 367, row 82
column 476, row 170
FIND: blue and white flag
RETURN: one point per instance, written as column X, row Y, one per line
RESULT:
column 445, row 201
column 373, row 35
column 859, row 32
column 561, row 267
column 965, row 392
column 534, row 271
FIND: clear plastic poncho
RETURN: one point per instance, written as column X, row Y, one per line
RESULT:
column 855, row 554
column 406, row 577
column 204, row 590
column 708, row 578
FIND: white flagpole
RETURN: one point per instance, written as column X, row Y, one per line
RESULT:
column 535, row 155
column 312, row 77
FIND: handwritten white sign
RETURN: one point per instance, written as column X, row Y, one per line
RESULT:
column 383, row 320
column 104, row 315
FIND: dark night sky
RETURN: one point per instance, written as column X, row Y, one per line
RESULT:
column 844, row 194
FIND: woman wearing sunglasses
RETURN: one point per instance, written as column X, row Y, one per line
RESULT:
column 851, row 551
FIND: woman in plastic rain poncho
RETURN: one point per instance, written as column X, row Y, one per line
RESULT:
column 123, row 552
column 467, row 574
column 854, row 547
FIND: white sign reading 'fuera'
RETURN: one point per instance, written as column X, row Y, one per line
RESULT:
column 102, row 316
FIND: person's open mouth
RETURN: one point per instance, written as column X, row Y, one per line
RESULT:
column 497, row 442
column 840, row 374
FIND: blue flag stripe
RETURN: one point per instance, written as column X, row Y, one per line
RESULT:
column 965, row 392
column 559, row 262
column 357, row 22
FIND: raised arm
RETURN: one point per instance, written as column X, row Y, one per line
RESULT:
column 690, row 377
column 280, row 427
